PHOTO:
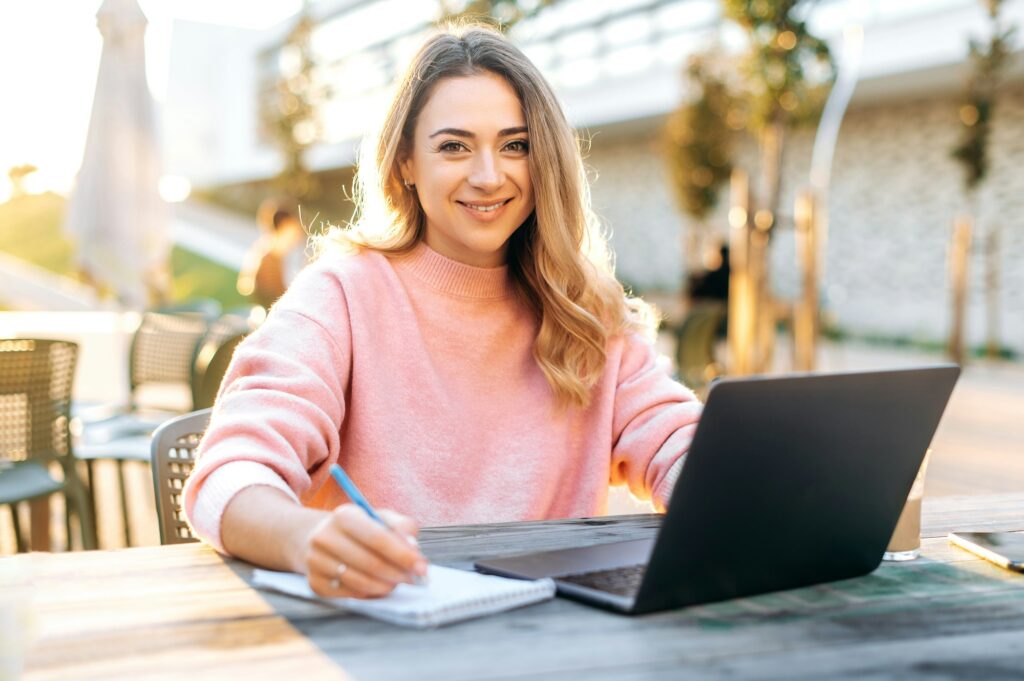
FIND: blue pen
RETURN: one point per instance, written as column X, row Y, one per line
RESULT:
column 353, row 493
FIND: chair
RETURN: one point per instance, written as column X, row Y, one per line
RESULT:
column 695, row 345
column 163, row 352
column 36, row 379
column 173, row 452
column 214, row 355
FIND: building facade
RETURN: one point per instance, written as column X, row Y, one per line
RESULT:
column 895, row 190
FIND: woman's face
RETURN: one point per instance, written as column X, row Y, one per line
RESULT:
column 469, row 162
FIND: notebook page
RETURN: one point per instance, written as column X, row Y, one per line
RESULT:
column 450, row 595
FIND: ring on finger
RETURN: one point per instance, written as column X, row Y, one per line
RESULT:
column 339, row 571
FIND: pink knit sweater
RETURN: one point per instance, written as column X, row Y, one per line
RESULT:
column 416, row 374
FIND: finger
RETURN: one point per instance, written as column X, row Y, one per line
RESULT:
column 333, row 587
column 380, row 540
column 402, row 524
column 355, row 556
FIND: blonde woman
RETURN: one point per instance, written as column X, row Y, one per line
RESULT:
column 465, row 354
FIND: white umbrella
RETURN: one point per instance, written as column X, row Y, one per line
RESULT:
column 116, row 214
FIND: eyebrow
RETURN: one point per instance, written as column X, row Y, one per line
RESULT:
column 466, row 133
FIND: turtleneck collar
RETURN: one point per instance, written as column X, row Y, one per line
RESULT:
column 456, row 278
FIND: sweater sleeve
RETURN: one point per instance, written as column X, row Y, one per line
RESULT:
column 281, row 405
column 654, row 420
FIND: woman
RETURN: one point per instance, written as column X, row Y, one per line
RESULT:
column 467, row 356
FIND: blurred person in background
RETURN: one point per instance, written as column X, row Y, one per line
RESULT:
column 277, row 256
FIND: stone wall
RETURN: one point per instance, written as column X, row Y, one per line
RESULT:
column 894, row 195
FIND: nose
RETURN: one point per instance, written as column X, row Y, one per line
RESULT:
column 486, row 173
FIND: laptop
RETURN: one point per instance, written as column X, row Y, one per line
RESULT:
column 790, row 481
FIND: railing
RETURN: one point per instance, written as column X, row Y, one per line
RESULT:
column 574, row 42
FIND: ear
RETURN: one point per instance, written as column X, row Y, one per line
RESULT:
column 407, row 170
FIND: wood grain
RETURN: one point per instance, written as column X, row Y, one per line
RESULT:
column 184, row 612
column 176, row 612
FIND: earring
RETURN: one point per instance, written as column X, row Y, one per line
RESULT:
column 408, row 184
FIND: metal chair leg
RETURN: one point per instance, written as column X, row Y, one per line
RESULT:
column 124, row 503
column 19, row 538
column 75, row 495
column 90, row 475
column 67, row 522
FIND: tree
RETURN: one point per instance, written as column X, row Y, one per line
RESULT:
column 989, row 61
column 787, row 74
column 699, row 138
column 17, row 176
column 290, row 110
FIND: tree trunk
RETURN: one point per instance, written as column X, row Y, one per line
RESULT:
column 992, row 267
column 959, row 257
column 741, row 293
column 772, row 139
column 805, row 316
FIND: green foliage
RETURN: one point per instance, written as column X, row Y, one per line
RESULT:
column 781, row 82
column 198, row 277
column 988, row 61
column 700, row 140
column 30, row 229
column 789, row 71
column 289, row 112
column 501, row 13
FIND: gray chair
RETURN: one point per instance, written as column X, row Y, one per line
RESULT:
column 214, row 356
column 36, row 378
column 695, row 345
column 173, row 455
column 163, row 352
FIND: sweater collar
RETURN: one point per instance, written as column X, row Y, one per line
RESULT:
column 456, row 278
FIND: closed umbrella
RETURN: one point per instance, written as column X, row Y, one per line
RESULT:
column 116, row 215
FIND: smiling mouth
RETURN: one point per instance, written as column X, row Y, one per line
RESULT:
column 484, row 207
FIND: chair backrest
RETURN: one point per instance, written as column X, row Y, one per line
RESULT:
column 214, row 355
column 173, row 455
column 164, row 348
column 36, row 378
column 695, row 344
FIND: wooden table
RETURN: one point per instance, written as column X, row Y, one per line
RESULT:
column 183, row 612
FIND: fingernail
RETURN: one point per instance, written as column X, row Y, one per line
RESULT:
column 421, row 567
column 412, row 540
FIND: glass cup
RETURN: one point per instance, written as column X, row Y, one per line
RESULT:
column 905, row 543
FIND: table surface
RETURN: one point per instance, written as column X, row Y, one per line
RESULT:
column 183, row 612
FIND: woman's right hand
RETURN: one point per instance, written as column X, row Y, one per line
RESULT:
column 349, row 554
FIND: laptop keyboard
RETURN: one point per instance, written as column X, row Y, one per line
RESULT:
column 624, row 581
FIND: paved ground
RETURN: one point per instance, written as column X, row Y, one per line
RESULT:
column 979, row 446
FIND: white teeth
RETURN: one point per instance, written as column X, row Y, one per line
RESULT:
column 485, row 209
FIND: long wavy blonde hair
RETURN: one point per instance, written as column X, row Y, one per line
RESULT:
column 558, row 258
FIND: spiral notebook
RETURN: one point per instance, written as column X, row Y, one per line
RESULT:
column 450, row 595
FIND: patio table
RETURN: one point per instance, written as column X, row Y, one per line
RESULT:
column 185, row 612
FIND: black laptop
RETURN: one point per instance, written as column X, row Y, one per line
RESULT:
column 789, row 481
